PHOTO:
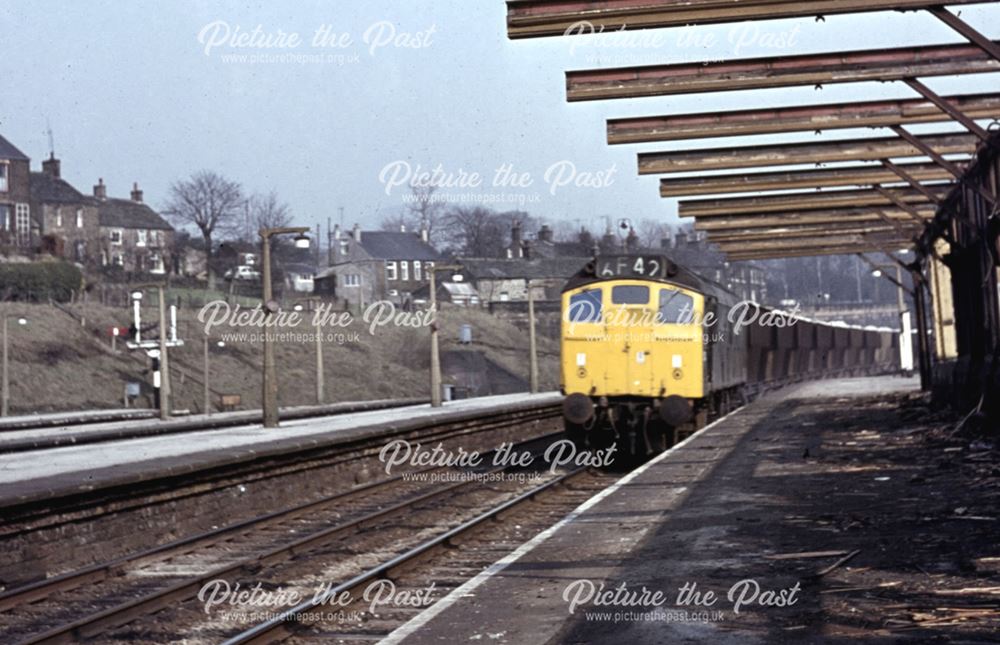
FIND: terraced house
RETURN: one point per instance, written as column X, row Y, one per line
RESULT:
column 42, row 212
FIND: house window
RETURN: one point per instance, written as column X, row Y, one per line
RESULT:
column 404, row 270
column 23, row 224
column 79, row 218
column 352, row 280
column 156, row 263
column 141, row 241
column 5, row 222
column 58, row 217
column 4, row 169
column 80, row 249
column 116, row 236
column 417, row 273
column 119, row 260
column 390, row 270
column 154, row 238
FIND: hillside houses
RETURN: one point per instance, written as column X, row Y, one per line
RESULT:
column 365, row 266
column 42, row 212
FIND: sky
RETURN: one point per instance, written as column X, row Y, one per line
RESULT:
column 152, row 93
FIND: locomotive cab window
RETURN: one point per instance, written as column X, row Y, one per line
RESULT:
column 630, row 295
column 585, row 306
column 676, row 307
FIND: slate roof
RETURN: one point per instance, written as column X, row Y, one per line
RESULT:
column 536, row 268
column 52, row 190
column 125, row 213
column 395, row 245
column 9, row 151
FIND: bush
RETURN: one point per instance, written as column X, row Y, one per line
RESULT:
column 39, row 281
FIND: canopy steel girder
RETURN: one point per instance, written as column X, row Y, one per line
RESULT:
column 749, row 246
column 949, row 108
column 966, row 30
column 709, row 125
column 787, row 154
column 803, row 201
column 915, row 182
column 778, row 254
column 760, row 73
column 778, row 232
column 866, row 175
column 792, row 218
column 535, row 18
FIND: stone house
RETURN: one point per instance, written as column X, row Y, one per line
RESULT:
column 65, row 220
column 15, row 197
column 132, row 235
column 366, row 266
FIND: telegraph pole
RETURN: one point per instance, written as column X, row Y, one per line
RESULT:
column 208, row 398
column 532, row 347
column 320, row 382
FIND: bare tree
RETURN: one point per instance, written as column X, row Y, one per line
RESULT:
column 424, row 211
column 210, row 202
column 651, row 232
column 476, row 231
column 267, row 211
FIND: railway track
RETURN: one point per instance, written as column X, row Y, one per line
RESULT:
column 441, row 563
column 102, row 428
column 90, row 602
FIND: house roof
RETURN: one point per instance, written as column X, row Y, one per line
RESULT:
column 125, row 213
column 9, row 151
column 53, row 190
column 396, row 245
column 536, row 268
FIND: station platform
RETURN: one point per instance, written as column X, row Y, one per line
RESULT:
column 33, row 475
column 821, row 513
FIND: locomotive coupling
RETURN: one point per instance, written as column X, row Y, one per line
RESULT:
column 578, row 408
column 675, row 410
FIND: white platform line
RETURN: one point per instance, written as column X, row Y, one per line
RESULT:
column 456, row 594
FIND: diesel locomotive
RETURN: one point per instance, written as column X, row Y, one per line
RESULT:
column 650, row 351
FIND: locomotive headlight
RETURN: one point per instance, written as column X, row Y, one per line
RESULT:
column 678, row 374
column 582, row 372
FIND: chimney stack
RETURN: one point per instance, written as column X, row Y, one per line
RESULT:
column 425, row 234
column 100, row 190
column 51, row 166
column 356, row 232
column 545, row 234
column 136, row 193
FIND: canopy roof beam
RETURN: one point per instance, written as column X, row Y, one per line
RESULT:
column 788, row 154
column 786, row 71
column 801, row 118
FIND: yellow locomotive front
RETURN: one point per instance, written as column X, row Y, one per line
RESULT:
column 632, row 353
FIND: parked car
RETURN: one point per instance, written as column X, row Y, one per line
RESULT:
column 243, row 272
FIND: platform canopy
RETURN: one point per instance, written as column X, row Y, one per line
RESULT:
column 799, row 198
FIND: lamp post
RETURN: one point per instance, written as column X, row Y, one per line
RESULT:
column 270, row 381
column 435, row 352
column 4, row 405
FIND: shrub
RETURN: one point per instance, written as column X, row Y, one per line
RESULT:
column 39, row 281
